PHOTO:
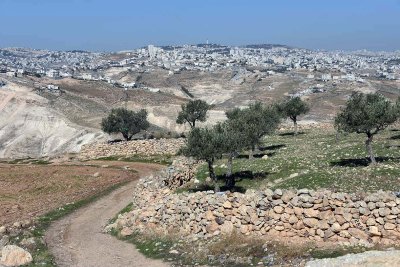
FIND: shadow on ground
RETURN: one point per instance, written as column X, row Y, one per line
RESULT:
column 272, row 147
column 291, row 134
column 395, row 137
column 263, row 149
column 363, row 162
column 239, row 177
column 258, row 155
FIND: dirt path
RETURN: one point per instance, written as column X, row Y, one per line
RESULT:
column 4, row 101
column 77, row 240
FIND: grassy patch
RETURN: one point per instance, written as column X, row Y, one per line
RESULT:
column 159, row 159
column 321, row 253
column 28, row 161
column 314, row 159
column 151, row 245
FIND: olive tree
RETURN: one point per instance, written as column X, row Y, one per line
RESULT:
column 204, row 144
column 126, row 122
column 293, row 108
column 232, row 142
column 367, row 114
column 194, row 110
column 253, row 123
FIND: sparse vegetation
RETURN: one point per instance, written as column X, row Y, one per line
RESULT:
column 159, row 159
column 314, row 160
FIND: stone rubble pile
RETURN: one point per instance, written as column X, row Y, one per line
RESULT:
column 320, row 216
column 146, row 147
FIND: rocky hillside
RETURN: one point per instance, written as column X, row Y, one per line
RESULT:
column 37, row 123
column 30, row 127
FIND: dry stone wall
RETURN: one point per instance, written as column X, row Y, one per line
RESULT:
column 128, row 148
column 321, row 216
column 181, row 172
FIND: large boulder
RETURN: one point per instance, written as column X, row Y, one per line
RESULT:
column 12, row 255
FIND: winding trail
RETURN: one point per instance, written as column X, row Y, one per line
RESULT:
column 77, row 240
column 5, row 99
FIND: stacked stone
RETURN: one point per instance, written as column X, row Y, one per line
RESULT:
column 306, row 126
column 182, row 171
column 137, row 147
column 321, row 216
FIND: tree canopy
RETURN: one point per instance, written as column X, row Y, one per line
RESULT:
column 194, row 110
column 368, row 114
column 253, row 123
column 293, row 108
column 204, row 144
column 126, row 122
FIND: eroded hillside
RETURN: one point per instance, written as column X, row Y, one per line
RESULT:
column 30, row 127
column 38, row 123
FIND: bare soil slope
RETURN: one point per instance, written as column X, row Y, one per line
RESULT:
column 31, row 190
column 30, row 127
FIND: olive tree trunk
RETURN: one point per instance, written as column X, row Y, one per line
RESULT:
column 252, row 152
column 212, row 175
column 230, row 179
column 368, row 145
column 127, row 136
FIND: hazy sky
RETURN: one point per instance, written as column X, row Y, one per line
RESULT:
column 105, row 25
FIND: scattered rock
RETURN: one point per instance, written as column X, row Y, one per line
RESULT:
column 126, row 231
column 15, row 256
column 28, row 243
column 227, row 227
column 3, row 242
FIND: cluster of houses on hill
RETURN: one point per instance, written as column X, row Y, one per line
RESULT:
column 335, row 65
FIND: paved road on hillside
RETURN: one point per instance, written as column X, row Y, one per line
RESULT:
column 77, row 239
